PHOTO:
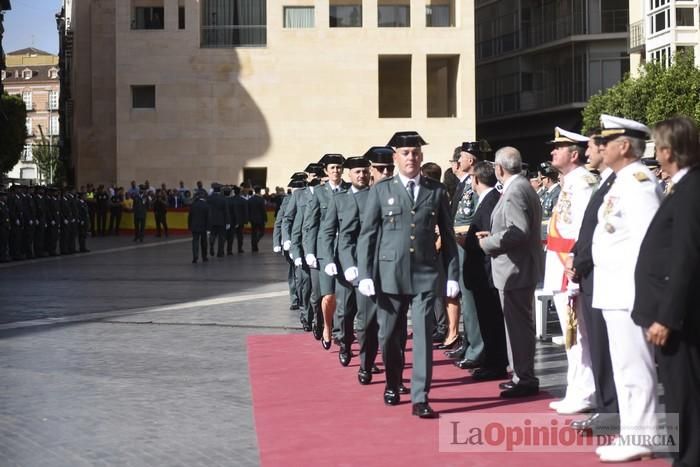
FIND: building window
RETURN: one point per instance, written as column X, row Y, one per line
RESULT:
column 442, row 85
column 234, row 23
column 53, row 100
column 654, row 4
column 30, row 128
column 27, row 98
column 143, row 97
column 345, row 16
column 148, row 17
column 394, row 82
column 53, row 128
column 3, row 75
column 181, row 17
column 296, row 17
column 685, row 49
column 27, row 173
column 662, row 55
column 439, row 16
column 660, row 21
column 614, row 15
column 685, row 17
column 255, row 176
column 53, row 73
column 27, row 155
column 27, row 74
column 393, row 16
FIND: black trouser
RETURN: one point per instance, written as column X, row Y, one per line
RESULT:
column 306, row 313
column 139, row 228
column 229, row 241
column 28, row 241
column 91, row 212
column 82, row 235
column 4, row 244
column 256, row 233
column 16, row 249
column 601, row 366
column 217, row 234
column 73, row 236
column 161, row 223
column 51, row 239
column 239, row 237
column 346, row 307
column 101, row 221
column 492, row 327
column 39, row 244
column 199, row 239
column 115, row 220
column 679, row 367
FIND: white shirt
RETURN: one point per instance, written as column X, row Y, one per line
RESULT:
column 334, row 188
column 679, row 175
column 416, row 180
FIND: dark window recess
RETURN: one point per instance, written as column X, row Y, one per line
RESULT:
column 255, row 176
column 345, row 16
column 143, row 97
column 181, row 17
column 394, row 16
column 146, row 17
column 684, row 17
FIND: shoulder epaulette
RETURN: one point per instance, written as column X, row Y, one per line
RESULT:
column 641, row 177
column 590, row 179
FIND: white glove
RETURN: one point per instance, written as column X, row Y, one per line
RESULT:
column 291, row 256
column 311, row 260
column 452, row 289
column 286, row 245
column 277, row 249
column 297, row 262
column 351, row 273
column 228, row 226
column 366, row 287
column 331, row 269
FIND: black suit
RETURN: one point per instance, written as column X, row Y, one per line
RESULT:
column 667, row 291
column 240, row 208
column 601, row 366
column 257, row 215
column 198, row 223
column 218, row 220
column 478, row 279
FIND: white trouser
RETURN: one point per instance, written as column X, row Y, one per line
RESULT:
column 634, row 373
column 580, row 386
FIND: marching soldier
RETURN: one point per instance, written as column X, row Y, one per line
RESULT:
column 398, row 227
column 83, row 222
column 53, row 220
column 5, row 226
column 14, row 204
column 29, row 215
column 577, row 186
column 623, row 219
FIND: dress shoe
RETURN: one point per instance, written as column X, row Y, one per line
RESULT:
column 506, row 385
column 391, row 397
column 458, row 353
column 375, row 370
column 194, row 260
column 617, row 453
column 403, row 389
column 326, row 344
column 449, row 346
column 520, row 390
column 344, row 356
column 489, row 374
column 598, row 424
column 438, row 338
column 423, row 410
column 317, row 331
column 293, row 307
column 364, row 377
column 468, row 364
column 567, row 408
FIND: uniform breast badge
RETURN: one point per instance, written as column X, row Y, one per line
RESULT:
column 390, row 201
column 563, row 207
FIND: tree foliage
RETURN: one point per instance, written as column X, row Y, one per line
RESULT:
column 658, row 93
column 46, row 158
column 13, row 131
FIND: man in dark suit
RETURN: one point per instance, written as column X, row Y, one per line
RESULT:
column 667, row 282
column 257, row 215
column 398, row 226
column 516, row 258
column 232, row 215
column 478, row 278
column 219, row 220
column 140, row 209
column 198, row 223
column 240, row 213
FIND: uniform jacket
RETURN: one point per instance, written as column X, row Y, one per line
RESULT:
column 343, row 210
column 218, row 212
column 623, row 219
column 257, row 212
column 667, row 276
column 477, row 265
column 402, row 236
column 198, row 217
column 277, row 229
column 514, row 244
column 297, row 207
column 315, row 215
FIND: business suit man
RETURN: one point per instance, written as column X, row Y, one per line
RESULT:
column 198, row 223
column 398, row 226
column 140, row 211
column 516, row 258
column 257, row 215
column 240, row 210
column 667, row 282
column 478, row 278
column 219, row 220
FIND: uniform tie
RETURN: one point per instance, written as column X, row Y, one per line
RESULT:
column 410, row 186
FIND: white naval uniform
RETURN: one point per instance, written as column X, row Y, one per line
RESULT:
column 623, row 219
column 576, row 190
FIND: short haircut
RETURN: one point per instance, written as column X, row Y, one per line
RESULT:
column 509, row 158
column 680, row 135
column 431, row 170
column 485, row 173
column 637, row 145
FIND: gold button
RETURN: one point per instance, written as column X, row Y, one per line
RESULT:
column 411, row 250
column 413, row 237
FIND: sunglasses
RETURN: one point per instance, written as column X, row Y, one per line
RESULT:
column 384, row 168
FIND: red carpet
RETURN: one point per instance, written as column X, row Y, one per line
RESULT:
column 311, row 411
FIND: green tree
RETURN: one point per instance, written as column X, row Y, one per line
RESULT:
column 46, row 158
column 13, row 131
column 658, row 93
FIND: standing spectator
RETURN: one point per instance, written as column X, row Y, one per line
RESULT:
column 140, row 210
column 133, row 190
column 115, row 211
column 517, row 263
column 219, row 220
column 102, row 206
column 83, row 222
column 240, row 207
column 92, row 206
column 232, row 217
column 198, row 222
column 257, row 213
column 160, row 212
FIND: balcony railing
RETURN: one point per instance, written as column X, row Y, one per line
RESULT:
column 636, row 39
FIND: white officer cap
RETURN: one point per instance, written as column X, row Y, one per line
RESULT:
column 612, row 127
column 568, row 137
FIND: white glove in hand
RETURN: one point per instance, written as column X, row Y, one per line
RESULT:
column 286, row 245
column 351, row 273
column 452, row 289
column 228, row 226
column 366, row 287
column 331, row 269
column 311, row 261
column 297, row 262
column 277, row 249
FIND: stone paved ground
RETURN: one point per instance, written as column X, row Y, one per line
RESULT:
column 131, row 355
